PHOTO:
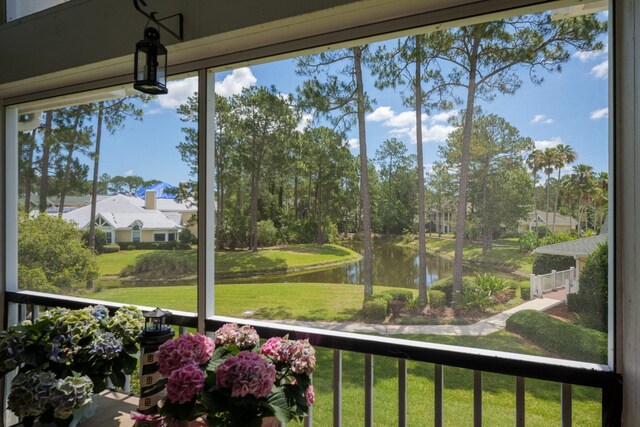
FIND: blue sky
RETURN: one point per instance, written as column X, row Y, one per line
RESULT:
column 569, row 108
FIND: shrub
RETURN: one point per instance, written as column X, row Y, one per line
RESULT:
column 162, row 263
column 130, row 247
column 403, row 295
column 552, row 334
column 99, row 239
column 395, row 307
column 374, row 310
column 51, row 244
column 474, row 299
column 544, row 264
column 437, row 299
column 528, row 241
column 111, row 248
column 490, row 284
column 187, row 237
column 153, row 245
column 34, row 279
column 590, row 303
column 446, row 286
column 267, row 233
column 525, row 291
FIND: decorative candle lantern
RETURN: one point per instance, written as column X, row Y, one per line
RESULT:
column 152, row 384
column 150, row 64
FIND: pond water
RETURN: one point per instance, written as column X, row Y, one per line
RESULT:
column 392, row 266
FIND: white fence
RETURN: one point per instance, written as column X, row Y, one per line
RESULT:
column 555, row 280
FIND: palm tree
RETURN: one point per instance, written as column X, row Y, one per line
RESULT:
column 600, row 199
column 548, row 165
column 534, row 162
column 565, row 155
column 583, row 176
column 569, row 188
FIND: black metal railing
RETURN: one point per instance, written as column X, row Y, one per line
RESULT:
column 521, row 367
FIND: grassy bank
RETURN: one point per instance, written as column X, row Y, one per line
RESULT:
column 302, row 301
column 246, row 263
column 505, row 257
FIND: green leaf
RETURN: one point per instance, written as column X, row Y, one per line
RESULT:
column 278, row 404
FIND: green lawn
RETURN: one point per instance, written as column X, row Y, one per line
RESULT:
column 344, row 301
column 507, row 258
column 233, row 263
column 265, row 300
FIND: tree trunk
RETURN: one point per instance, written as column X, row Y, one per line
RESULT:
column 295, row 196
column 546, row 216
column 220, row 208
column 464, row 174
column 47, row 141
column 535, row 203
column 67, row 166
column 94, row 186
column 422, row 244
column 555, row 207
column 253, row 241
column 28, row 179
column 364, row 176
column 486, row 217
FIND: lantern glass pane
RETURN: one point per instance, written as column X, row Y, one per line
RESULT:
column 162, row 69
column 141, row 71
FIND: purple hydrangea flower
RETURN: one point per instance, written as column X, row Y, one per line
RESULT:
column 247, row 373
column 185, row 383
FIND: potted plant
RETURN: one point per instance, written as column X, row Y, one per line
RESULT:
column 64, row 358
column 232, row 380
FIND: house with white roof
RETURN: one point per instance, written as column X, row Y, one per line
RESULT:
column 131, row 219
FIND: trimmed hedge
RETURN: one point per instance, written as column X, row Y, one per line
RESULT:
column 374, row 309
column 446, row 286
column 404, row 295
column 545, row 264
column 153, row 245
column 161, row 263
column 437, row 299
column 110, row 248
column 567, row 340
column 525, row 291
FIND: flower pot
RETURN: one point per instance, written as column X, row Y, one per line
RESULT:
column 270, row 422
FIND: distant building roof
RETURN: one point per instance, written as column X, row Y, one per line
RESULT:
column 578, row 247
column 121, row 212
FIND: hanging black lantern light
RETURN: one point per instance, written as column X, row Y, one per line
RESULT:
column 150, row 64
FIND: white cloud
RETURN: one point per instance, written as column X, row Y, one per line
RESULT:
column 353, row 143
column 129, row 172
column 444, row 117
column 404, row 124
column 305, row 120
column 601, row 71
column 179, row 91
column 603, row 113
column 541, row 118
column 233, row 84
column 548, row 143
column 588, row 55
column 381, row 114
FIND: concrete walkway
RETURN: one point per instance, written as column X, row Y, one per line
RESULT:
column 484, row 327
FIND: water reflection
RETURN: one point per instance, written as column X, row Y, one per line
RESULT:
column 392, row 266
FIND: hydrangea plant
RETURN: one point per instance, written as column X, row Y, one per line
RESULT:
column 231, row 380
column 66, row 356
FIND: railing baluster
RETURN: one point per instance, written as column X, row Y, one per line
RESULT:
column 182, row 330
column 519, row 401
column 566, row 400
column 477, row 398
column 368, row 390
column 36, row 312
column 437, row 394
column 337, row 388
column 127, row 384
column 402, row 392
column 308, row 421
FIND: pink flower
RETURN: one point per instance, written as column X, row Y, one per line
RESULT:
column 275, row 349
column 244, row 337
column 310, row 395
column 247, row 373
column 185, row 350
column 302, row 357
column 185, row 383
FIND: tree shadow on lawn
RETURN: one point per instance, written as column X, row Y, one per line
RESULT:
column 250, row 262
